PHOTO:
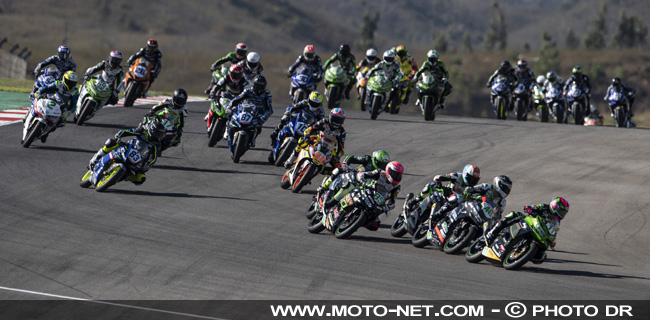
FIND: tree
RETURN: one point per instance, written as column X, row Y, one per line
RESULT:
column 571, row 41
column 467, row 43
column 440, row 42
column 368, row 28
column 548, row 55
column 496, row 35
column 595, row 38
column 631, row 32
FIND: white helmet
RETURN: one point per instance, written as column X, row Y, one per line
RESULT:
column 389, row 56
column 252, row 59
column 371, row 53
column 540, row 79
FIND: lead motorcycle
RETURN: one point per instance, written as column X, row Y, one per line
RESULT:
column 355, row 210
column 118, row 165
column 430, row 92
column 242, row 128
column 577, row 99
column 93, row 96
column 43, row 118
column 516, row 244
column 554, row 99
column 310, row 162
column 380, row 89
column 502, row 96
column 621, row 106
column 521, row 101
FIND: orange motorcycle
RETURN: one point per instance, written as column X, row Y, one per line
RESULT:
column 137, row 80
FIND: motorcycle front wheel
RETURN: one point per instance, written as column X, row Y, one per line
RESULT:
column 398, row 228
column 87, row 108
column 350, row 224
column 519, row 252
column 33, row 133
column 110, row 178
column 474, row 252
column 458, row 237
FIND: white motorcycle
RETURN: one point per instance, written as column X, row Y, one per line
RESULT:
column 42, row 119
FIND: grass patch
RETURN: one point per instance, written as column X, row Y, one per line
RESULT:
column 15, row 85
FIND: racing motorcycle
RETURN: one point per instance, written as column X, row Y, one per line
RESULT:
column 136, row 80
column 521, row 101
column 430, row 92
column 335, row 79
column 502, row 96
column 218, row 118
column 556, row 102
column 46, row 79
column 93, row 96
column 342, row 183
column 118, row 165
column 362, row 84
column 516, row 244
column 43, row 118
column 288, row 137
column 216, row 76
column 540, row 104
column 399, row 93
column 619, row 103
column 461, row 226
column 379, row 93
column 302, row 84
column 577, row 99
column 242, row 128
column 310, row 162
column 409, row 220
column 355, row 210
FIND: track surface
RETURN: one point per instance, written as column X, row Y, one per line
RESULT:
column 202, row 227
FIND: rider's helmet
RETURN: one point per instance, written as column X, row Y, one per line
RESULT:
column 63, row 52
column 252, row 60
column 309, row 53
column 69, row 80
column 389, row 56
column 394, row 172
column 240, row 50
column 155, row 131
column 541, row 79
column 315, row 100
column 559, row 207
column 259, row 84
column 432, row 56
column 344, row 50
column 522, row 64
column 152, row 45
column 502, row 185
column 236, row 73
column 401, row 51
column 179, row 98
column 337, row 117
column 505, row 66
column 471, row 175
column 380, row 159
column 371, row 54
column 577, row 71
column 115, row 59
column 551, row 76
column 616, row 82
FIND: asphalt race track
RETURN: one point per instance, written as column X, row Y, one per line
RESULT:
column 202, row 227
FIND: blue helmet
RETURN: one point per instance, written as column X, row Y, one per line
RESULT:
column 337, row 117
column 63, row 52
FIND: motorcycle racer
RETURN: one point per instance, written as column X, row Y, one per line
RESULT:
column 233, row 57
column 261, row 97
column 62, row 60
column 333, row 125
column 173, row 109
column 409, row 68
column 582, row 80
column 65, row 93
column 115, row 74
column 251, row 67
column 504, row 69
column 152, row 54
column 152, row 133
column 437, row 69
column 553, row 213
column 312, row 61
column 348, row 63
column 618, row 86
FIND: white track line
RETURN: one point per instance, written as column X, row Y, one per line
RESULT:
column 109, row 303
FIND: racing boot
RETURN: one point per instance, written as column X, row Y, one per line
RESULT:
column 406, row 97
column 539, row 257
column 137, row 179
column 289, row 163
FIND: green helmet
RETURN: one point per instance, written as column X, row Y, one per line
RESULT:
column 380, row 159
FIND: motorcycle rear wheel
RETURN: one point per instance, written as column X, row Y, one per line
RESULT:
column 398, row 228
column 374, row 107
column 315, row 224
column 284, row 152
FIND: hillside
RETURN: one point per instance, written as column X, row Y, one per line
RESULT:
column 194, row 33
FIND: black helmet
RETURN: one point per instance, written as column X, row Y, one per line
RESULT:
column 155, row 131
column 506, row 66
column 344, row 50
column 180, row 98
column 616, row 82
column 259, row 84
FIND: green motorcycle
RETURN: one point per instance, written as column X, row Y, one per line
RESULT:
column 335, row 79
column 93, row 96
column 516, row 244
column 217, row 118
column 430, row 92
column 540, row 104
column 379, row 91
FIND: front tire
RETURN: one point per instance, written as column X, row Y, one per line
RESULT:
column 520, row 106
column 474, row 252
column 350, row 225
column 374, row 107
column 519, row 252
column 419, row 239
column 458, row 237
column 285, row 183
column 332, row 96
column 132, row 92
column 315, row 225
column 303, row 178
column 240, row 147
column 216, row 134
column 85, row 180
column 35, row 132
column 578, row 116
column 501, row 108
column 620, row 117
column 544, row 114
column 110, row 178
column 398, row 228
column 86, row 109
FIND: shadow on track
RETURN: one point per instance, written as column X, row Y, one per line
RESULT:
column 580, row 273
column 108, row 125
column 65, row 149
column 171, row 194
column 191, row 169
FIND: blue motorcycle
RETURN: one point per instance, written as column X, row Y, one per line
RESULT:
column 302, row 84
column 242, row 129
column 289, row 135
column 118, row 165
